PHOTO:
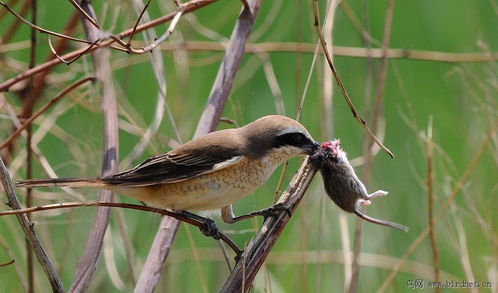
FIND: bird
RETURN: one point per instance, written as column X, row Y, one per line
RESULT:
column 210, row 172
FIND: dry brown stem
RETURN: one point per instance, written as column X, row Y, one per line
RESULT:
column 430, row 199
column 88, row 260
column 29, row 231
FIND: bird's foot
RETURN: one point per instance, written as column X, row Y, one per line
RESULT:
column 274, row 210
column 209, row 229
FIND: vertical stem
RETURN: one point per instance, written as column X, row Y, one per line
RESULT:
column 88, row 261
column 430, row 195
column 29, row 150
column 381, row 77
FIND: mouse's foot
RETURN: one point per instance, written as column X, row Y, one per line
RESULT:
column 377, row 194
column 362, row 202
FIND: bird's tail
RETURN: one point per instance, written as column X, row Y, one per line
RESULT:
column 61, row 182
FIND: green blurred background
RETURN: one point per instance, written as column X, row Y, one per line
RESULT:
column 460, row 98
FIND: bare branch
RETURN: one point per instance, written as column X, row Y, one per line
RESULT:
column 29, row 231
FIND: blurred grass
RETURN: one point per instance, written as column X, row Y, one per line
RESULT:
column 461, row 98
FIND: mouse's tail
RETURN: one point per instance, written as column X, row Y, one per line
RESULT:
column 61, row 182
column 381, row 222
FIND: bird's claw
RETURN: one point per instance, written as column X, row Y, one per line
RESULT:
column 209, row 229
column 275, row 210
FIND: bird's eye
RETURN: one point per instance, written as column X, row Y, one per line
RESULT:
column 290, row 139
column 298, row 138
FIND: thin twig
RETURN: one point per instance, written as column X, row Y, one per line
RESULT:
column 29, row 231
column 40, row 80
column 10, row 32
column 375, row 116
column 354, row 52
column 75, row 58
column 47, row 106
column 85, row 15
column 260, row 246
column 430, row 195
column 137, row 22
column 339, row 82
column 29, row 98
column 7, row 263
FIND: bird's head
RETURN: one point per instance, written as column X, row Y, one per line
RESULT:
column 277, row 132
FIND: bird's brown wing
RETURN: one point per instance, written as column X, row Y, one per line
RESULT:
column 174, row 166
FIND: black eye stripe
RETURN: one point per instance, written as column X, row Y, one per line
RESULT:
column 290, row 139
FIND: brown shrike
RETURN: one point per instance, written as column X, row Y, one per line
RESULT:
column 207, row 173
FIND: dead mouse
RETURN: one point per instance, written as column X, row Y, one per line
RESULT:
column 342, row 185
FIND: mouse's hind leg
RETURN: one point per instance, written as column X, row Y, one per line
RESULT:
column 377, row 193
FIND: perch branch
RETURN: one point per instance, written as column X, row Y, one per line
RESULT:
column 260, row 246
column 66, row 205
column 29, row 231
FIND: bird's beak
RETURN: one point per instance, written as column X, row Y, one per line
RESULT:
column 311, row 148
